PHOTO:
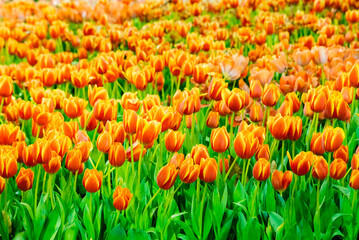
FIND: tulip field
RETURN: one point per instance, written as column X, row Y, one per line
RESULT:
column 179, row 119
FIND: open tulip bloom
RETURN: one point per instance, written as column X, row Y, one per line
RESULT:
column 142, row 119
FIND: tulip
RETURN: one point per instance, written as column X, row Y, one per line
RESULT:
column 318, row 98
column 212, row 119
column 262, row 152
column 278, row 127
column 174, row 140
column 200, row 74
column 294, row 128
column 96, row 93
column 121, row 198
column 338, row 169
column 117, row 155
column 104, row 142
column 8, row 133
column 88, row 119
column 286, row 109
column 130, row 119
column 270, row 95
column 92, row 180
column 332, row 138
column 281, row 181
column 41, row 151
column 189, row 171
column 136, row 149
column 27, row 156
column 320, row 55
column 220, row 140
column 261, row 169
column 320, row 168
column 70, row 129
column 2, row 185
column 130, row 101
column 25, row 110
column 117, row 131
column 147, row 132
column 208, row 169
column 54, row 165
column 255, row 89
column 354, row 76
column 301, row 164
column 6, row 87
column 167, row 175
column 342, row 152
column 8, row 165
column 177, row 159
column 235, row 99
column 25, row 179
column 355, row 161
column 105, row 110
column 85, row 147
column 19, row 147
column 215, row 88
column 354, row 179
column 245, row 145
column 292, row 97
column 316, row 144
column 73, row 160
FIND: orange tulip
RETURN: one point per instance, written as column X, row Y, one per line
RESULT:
column 117, row 131
column 342, row 152
column 245, row 145
column 208, row 169
column 270, row 95
column 316, row 144
column 255, row 89
column 174, row 140
column 187, row 102
column 256, row 113
column 25, row 109
column 292, row 97
column 355, row 161
column 354, row 179
column 294, row 125
column 215, row 88
column 92, row 180
column 89, row 119
column 54, row 165
column 147, row 132
column 332, row 138
column 262, row 152
column 167, row 175
column 73, row 160
column 85, row 147
column 280, row 180
column 20, row 145
column 6, row 87
column 303, row 57
column 189, row 171
column 96, row 93
column 74, row 107
column 70, row 129
column 177, row 159
column 25, row 179
column 286, row 109
column 136, row 149
column 200, row 73
column 42, row 151
column 8, row 165
column 213, row 119
column 130, row 119
column 220, row 139
column 104, row 142
column 320, row 168
column 226, row 164
column 41, row 115
column 198, row 152
column 117, row 155
column 261, row 169
column 320, row 55
column 354, row 76
column 235, row 99
column 2, row 185
column 105, row 110
column 318, row 98
column 301, row 164
column 130, row 101
column 121, row 198
column 278, row 127
column 338, row 169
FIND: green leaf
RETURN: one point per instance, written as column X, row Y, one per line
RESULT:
column 20, row 236
column 306, row 230
column 87, row 220
column 40, row 218
column 275, row 219
column 185, row 228
column 117, row 233
column 97, row 222
column 252, row 230
column 52, row 225
column 134, row 234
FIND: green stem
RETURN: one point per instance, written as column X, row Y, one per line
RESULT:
column 198, row 187
column 246, row 174
column 50, row 190
column 95, row 133
column 282, row 164
column 43, row 182
column 153, row 197
column 255, row 199
column 206, row 116
column 139, row 166
column 201, row 209
column 230, row 169
column 132, row 158
column 318, row 204
column 36, row 186
column 353, row 105
column 75, row 181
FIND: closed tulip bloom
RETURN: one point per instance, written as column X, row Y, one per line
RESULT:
column 278, row 127
column 2, row 185
column 177, row 159
column 70, row 129
column 116, row 155
column 89, row 119
column 354, row 179
column 293, row 98
column 27, row 156
column 220, row 139
column 96, row 93
column 216, row 87
column 54, row 165
column 301, row 164
column 147, row 132
column 41, row 115
column 130, row 119
column 121, row 198
column 318, row 98
column 342, row 152
column 208, row 170
column 104, row 142
column 189, row 102
column 6, row 87
column 25, row 179
column 212, row 119
column 25, row 110
column 189, row 171
column 8, row 133
column 320, row 55
column 42, row 151
column 256, row 113
column 261, row 169
column 255, row 89
column 354, row 76
column 245, row 145
column 174, row 140
column 286, row 108
column 73, row 160
column 85, row 147
column 117, row 130
column 338, row 169
column 200, row 73
column 8, row 165
column 221, row 108
column 355, row 161
column 105, row 110
column 316, row 144
column 294, row 131
column 262, row 152
column 270, row 95
column 198, row 152
column 320, row 168
column 280, row 180
column 166, row 177
column 130, row 101
column 19, row 147
column 303, row 57
column 235, row 99
column 136, row 149
column 332, row 138
column 92, row 180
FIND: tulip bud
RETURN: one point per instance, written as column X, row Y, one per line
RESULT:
column 6, row 87
column 235, row 99
column 130, row 119
column 198, row 152
column 332, row 138
column 25, row 179
column 117, row 155
column 353, row 76
column 270, row 95
column 174, row 140
column 261, row 169
column 320, row 168
column 301, row 164
column 54, row 165
column 216, row 87
column 256, row 113
column 121, row 198
column 92, row 180
column 220, row 140
column 338, row 169
column 262, row 152
column 342, row 152
column 354, row 179
column 8, row 165
column 73, row 160
column 316, row 144
column 104, row 142
column 294, row 128
column 189, row 171
column 278, row 127
column 255, row 89
column 213, row 119
column 208, row 169
column 245, row 145
column 166, row 177
column 280, row 180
